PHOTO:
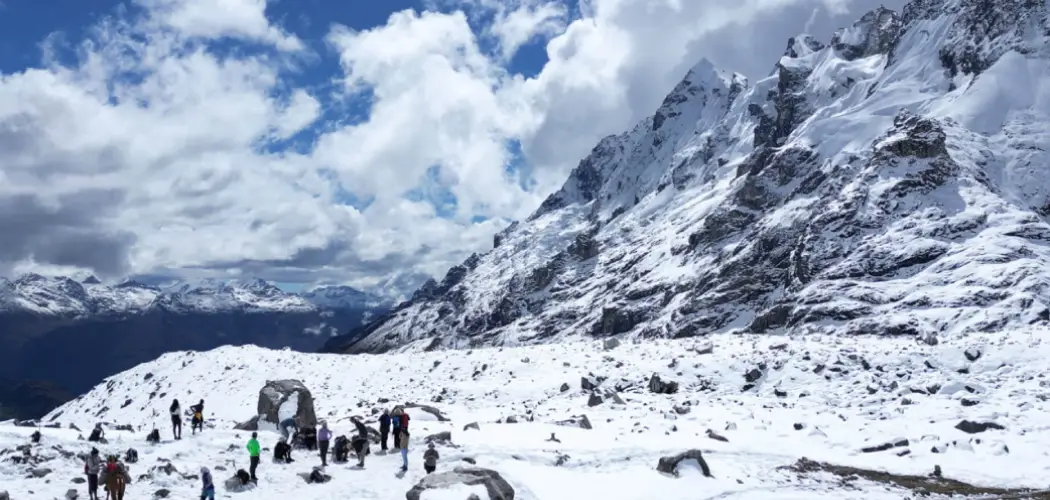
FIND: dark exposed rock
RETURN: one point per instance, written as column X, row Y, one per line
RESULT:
column 277, row 393
column 497, row 487
column 671, row 465
column 659, row 386
column 971, row 427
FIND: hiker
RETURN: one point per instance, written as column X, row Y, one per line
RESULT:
column 306, row 438
column 395, row 424
column 282, row 453
column 287, row 426
column 207, row 486
column 384, row 428
column 402, row 439
column 197, row 422
column 35, row 437
column 253, row 455
column 323, row 437
column 430, row 458
column 92, row 466
column 96, row 434
column 360, row 441
column 153, row 437
column 176, row 419
column 115, row 476
column 341, row 449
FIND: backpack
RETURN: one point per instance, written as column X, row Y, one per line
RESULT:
column 197, row 416
column 243, row 476
column 404, row 421
column 153, row 437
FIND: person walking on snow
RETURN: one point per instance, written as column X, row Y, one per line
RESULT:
column 384, row 429
column 253, row 455
column 430, row 458
column 176, row 419
column 207, row 486
column 92, row 467
column 323, row 437
column 197, row 423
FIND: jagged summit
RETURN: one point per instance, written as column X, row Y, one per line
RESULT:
column 889, row 181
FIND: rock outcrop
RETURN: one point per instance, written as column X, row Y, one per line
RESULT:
column 279, row 400
column 497, row 487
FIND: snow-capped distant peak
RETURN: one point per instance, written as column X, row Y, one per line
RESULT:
column 62, row 296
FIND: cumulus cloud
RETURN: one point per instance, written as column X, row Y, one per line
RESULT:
column 154, row 153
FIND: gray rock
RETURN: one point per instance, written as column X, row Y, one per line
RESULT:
column 161, row 493
column 429, row 409
column 439, row 438
column 610, row 344
column 594, row 400
column 277, row 393
column 472, row 425
column 497, row 487
column 576, row 421
column 670, row 465
column 40, row 471
column 71, row 494
column 659, row 386
column 79, row 480
column 564, row 387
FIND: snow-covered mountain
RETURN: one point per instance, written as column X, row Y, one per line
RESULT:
column 56, row 329
column 891, row 181
column 581, row 420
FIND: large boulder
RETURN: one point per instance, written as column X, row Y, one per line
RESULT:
column 436, row 413
column 497, row 487
column 671, row 465
column 281, row 399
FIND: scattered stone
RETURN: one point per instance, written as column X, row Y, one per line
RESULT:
column 671, row 465
column 682, row 410
column 716, row 436
column 896, row 443
column 79, row 480
column 921, row 486
column 594, row 400
column 71, row 494
column 970, row 427
column 753, row 375
column 610, row 344
column 161, row 493
column 588, row 384
column 564, row 387
column 704, row 348
column 799, row 426
column 969, row 402
column 443, row 438
column 731, row 426
column 497, row 487
column 972, row 354
column 512, row 419
column 575, row 421
column 472, row 425
column 40, row 471
column 429, row 409
column 658, row 386
column 779, row 393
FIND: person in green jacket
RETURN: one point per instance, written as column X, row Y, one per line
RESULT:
column 253, row 454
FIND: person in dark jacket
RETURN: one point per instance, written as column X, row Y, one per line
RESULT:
column 96, row 434
column 207, row 485
column 360, row 441
column 430, row 458
column 176, row 419
column 197, row 422
column 384, row 428
column 341, row 449
column 282, row 453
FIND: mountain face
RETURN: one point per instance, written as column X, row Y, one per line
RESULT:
column 892, row 181
column 73, row 334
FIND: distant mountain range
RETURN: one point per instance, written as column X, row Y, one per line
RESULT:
column 67, row 335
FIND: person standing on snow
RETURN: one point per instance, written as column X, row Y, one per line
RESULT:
column 395, row 424
column 430, row 458
column 207, row 486
column 176, row 419
column 402, row 439
column 92, row 467
column 197, row 423
column 323, row 437
column 253, row 455
column 384, row 429
column 360, row 441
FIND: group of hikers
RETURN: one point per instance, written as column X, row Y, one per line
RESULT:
column 392, row 423
column 111, row 473
column 196, row 420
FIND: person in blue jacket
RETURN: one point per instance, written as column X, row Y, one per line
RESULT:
column 208, row 488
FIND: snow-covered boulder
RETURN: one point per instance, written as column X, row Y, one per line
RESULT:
column 282, row 399
column 495, row 486
column 672, row 465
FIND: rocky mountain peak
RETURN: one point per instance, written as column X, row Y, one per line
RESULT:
column 877, row 32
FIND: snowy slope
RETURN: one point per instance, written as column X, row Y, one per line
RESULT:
column 845, row 394
column 892, row 181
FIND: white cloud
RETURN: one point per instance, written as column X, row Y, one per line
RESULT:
column 151, row 157
column 244, row 19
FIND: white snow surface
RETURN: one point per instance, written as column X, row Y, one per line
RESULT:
column 62, row 296
column 846, row 393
